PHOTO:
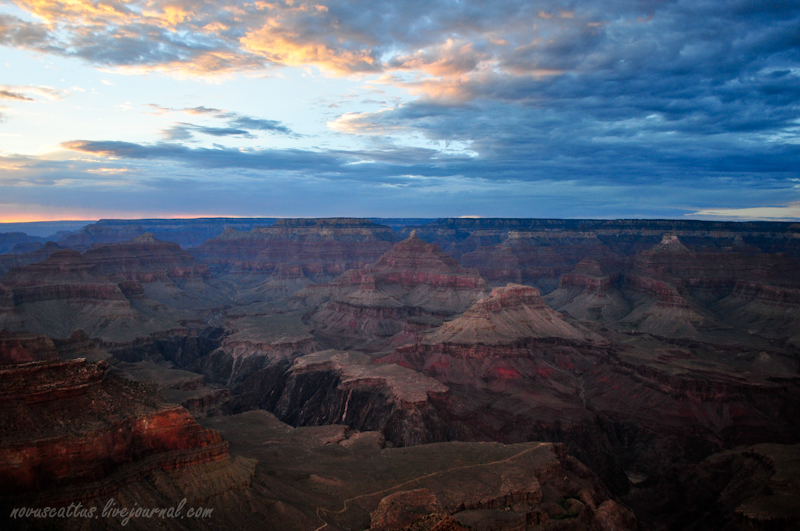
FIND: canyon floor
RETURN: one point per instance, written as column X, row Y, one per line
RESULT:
column 495, row 374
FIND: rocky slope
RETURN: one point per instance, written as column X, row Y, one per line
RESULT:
column 413, row 281
column 106, row 426
column 185, row 232
column 324, row 248
column 588, row 294
column 746, row 488
column 115, row 292
column 332, row 477
column 22, row 256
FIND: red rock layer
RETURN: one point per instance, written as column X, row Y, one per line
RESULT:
column 537, row 257
column 414, row 279
column 23, row 348
column 68, row 423
column 324, row 247
column 144, row 259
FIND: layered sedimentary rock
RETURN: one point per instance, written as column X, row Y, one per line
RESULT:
column 333, row 477
column 587, row 293
column 346, row 388
column 104, row 426
column 414, row 280
column 185, row 232
column 510, row 314
column 60, row 294
column 25, row 348
column 537, row 257
column 256, row 342
column 625, row 237
column 116, row 292
column 29, row 256
column 746, row 488
column 323, row 248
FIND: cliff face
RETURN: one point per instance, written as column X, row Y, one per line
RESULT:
column 324, row 248
column 537, row 257
column 67, row 424
column 23, row 258
column 414, row 280
column 185, row 232
column 337, row 387
column 588, row 294
column 112, row 291
column 746, row 488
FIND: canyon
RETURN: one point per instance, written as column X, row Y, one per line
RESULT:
column 406, row 374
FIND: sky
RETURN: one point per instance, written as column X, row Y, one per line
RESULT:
column 400, row 108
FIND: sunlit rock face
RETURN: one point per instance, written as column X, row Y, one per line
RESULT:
column 68, row 424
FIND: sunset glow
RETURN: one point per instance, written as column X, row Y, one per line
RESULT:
column 598, row 109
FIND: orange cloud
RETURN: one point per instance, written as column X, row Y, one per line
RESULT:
column 280, row 45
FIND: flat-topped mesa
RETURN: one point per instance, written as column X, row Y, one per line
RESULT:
column 670, row 243
column 509, row 315
column 111, row 431
column 588, row 275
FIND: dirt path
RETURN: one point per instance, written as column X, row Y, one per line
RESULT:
column 329, row 512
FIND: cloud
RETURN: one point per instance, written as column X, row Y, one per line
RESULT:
column 183, row 131
column 699, row 96
column 7, row 94
column 257, row 124
column 778, row 213
column 238, row 124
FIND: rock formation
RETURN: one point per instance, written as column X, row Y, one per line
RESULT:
column 414, row 280
column 108, row 428
column 323, row 248
column 116, row 292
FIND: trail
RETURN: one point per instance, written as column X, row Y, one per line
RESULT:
column 416, row 480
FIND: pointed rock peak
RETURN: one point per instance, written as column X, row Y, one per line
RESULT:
column 147, row 237
column 50, row 245
column 413, row 242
